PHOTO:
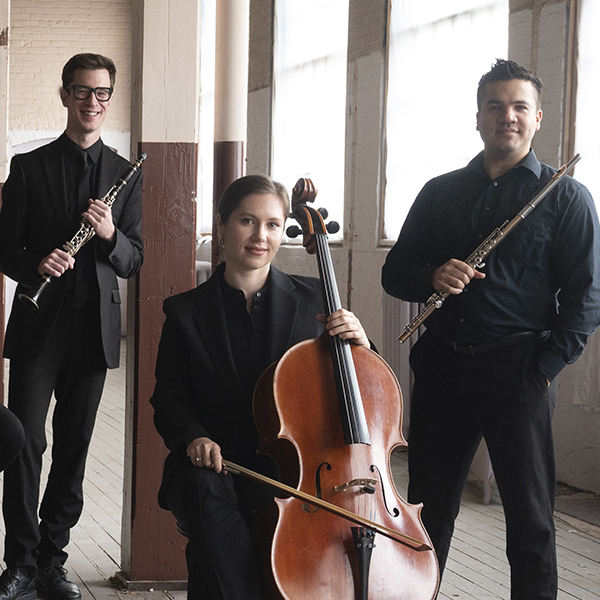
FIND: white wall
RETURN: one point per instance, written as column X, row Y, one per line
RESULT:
column 44, row 34
column 539, row 40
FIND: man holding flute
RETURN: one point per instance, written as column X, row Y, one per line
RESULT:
column 486, row 363
column 64, row 347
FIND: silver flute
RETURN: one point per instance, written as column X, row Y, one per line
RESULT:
column 85, row 233
column 476, row 259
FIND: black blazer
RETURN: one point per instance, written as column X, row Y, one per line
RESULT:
column 34, row 220
column 198, row 392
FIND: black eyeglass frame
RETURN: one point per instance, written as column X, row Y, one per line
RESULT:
column 77, row 89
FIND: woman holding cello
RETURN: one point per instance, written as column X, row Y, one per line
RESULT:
column 216, row 341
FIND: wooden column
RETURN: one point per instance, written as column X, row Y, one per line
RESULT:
column 231, row 99
column 152, row 549
column 165, row 126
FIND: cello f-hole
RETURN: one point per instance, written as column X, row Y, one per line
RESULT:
column 393, row 513
column 307, row 507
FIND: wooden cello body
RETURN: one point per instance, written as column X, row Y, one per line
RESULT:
column 330, row 415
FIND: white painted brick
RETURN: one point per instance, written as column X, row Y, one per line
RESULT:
column 44, row 34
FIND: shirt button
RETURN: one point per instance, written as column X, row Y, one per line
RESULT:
column 258, row 294
column 461, row 320
column 487, row 208
column 495, row 184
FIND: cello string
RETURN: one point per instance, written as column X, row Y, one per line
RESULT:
column 349, row 380
column 333, row 304
column 342, row 347
column 351, row 390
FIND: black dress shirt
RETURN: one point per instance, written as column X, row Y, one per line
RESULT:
column 71, row 153
column 544, row 276
column 82, row 286
column 247, row 334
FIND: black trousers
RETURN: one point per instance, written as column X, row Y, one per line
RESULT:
column 217, row 513
column 12, row 437
column 502, row 396
column 72, row 366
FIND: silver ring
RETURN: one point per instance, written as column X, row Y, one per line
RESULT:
column 198, row 459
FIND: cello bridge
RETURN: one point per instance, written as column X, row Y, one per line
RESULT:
column 366, row 484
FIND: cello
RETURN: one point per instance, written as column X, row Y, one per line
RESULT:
column 329, row 413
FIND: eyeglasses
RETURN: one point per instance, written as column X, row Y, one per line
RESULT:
column 82, row 92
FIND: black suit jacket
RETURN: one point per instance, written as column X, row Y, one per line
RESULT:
column 198, row 392
column 34, row 221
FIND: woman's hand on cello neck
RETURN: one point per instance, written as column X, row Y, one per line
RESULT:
column 203, row 452
column 345, row 324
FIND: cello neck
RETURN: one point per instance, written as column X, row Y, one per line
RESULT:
column 354, row 423
column 331, row 295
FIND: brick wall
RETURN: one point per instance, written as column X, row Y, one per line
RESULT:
column 44, row 34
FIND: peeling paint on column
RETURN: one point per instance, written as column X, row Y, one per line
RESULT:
column 169, row 230
column 4, row 36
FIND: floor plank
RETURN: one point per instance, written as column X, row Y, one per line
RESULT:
column 477, row 568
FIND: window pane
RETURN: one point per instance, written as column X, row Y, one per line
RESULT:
column 587, row 132
column 309, row 112
column 438, row 52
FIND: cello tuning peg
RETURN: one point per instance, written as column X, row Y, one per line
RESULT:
column 332, row 227
column 323, row 212
column 293, row 231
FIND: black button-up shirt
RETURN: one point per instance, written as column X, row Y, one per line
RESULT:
column 83, row 286
column 248, row 333
column 545, row 275
column 71, row 152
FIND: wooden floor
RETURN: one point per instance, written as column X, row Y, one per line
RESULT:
column 477, row 568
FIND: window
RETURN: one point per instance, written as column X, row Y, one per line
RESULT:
column 437, row 55
column 587, row 130
column 309, row 107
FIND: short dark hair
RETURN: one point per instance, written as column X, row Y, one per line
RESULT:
column 247, row 185
column 505, row 70
column 92, row 62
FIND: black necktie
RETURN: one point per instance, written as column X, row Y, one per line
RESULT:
column 83, row 179
column 83, row 268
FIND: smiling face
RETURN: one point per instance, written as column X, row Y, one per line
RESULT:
column 253, row 234
column 85, row 117
column 508, row 118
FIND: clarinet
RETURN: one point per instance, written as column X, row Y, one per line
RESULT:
column 85, row 233
column 476, row 259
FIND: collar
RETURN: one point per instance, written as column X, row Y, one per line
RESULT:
column 72, row 150
column 230, row 292
column 530, row 162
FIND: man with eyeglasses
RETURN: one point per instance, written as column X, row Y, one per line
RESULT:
column 66, row 346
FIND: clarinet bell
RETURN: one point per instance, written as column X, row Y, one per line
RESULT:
column 30, row 299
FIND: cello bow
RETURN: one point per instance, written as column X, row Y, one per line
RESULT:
column 396, row 536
